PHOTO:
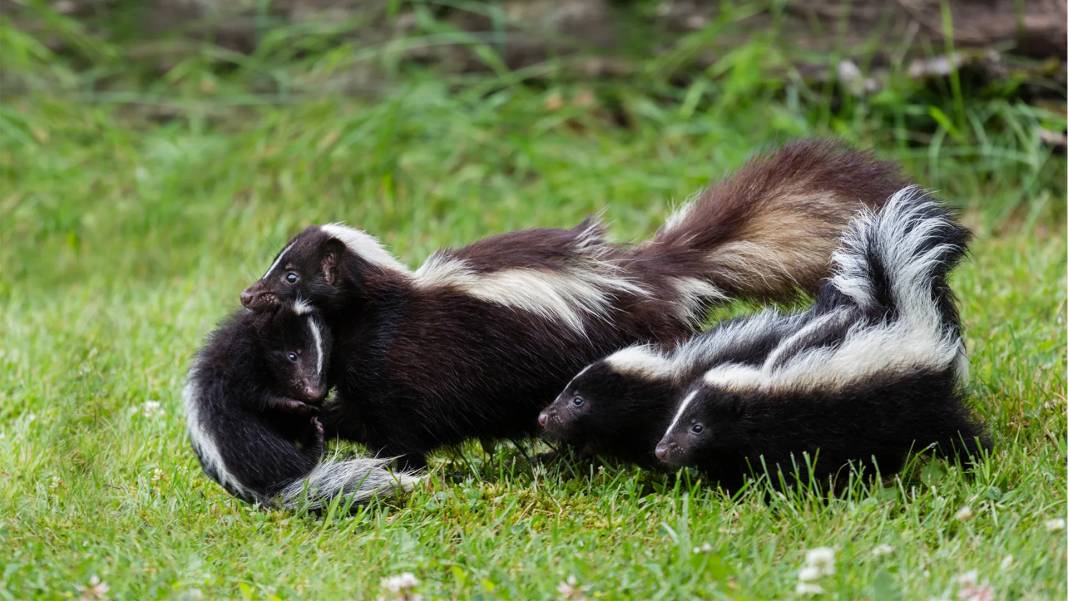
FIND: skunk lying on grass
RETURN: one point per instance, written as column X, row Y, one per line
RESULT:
column 251, row 404
column 479, row 339
column 876, row 371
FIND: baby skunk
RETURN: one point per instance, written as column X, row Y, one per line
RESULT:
column 620, row 406
column 251, row 399
column 877, row 373
column 481, row 338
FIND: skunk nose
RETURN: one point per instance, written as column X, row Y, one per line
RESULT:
column 313, row 392
column 663, row 450
column 543, row 419
column 246, row 297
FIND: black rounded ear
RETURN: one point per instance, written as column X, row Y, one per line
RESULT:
column 331, row 257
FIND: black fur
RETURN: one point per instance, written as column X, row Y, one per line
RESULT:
column 877, row 418
column 256, row 404
column 622, row 414
column 420, row 367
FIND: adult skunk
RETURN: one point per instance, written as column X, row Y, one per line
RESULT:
column 479, row 339
column 876, row 372
column 250, row 402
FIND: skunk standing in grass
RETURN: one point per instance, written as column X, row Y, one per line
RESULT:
column 875, row 372
column 620, row 406
column 251, row 404
column 479, row 339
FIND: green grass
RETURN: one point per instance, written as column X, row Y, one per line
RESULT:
column 132, row 213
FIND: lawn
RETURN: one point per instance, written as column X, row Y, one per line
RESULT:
column 132, row 214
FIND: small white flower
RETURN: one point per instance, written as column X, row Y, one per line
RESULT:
column 809, row 573
column 96, row 589
column 964, row 514
column 808, row 588
column 880, row 550
column 821, row 558
column 1055, row 524
column 968, row 578
column 971, row 589
column 150, row 409
column 571, row 590
column 704, row 548
column 1006, row 563
column 403, row 582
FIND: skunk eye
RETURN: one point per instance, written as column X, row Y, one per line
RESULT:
column 292, row 277
column 577, row 401
column 292, row 357
column 697, row 428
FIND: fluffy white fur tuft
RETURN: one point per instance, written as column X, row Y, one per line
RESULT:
column 358, row 479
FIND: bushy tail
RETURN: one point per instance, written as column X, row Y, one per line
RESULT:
column 357, row 479
column 768, row 230
column 255, row 462
column 896, row 261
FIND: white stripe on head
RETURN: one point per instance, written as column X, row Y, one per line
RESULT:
column 318, row 338
column 277, row 260
column 202, row 440
column 364, row 245
column 682, row 409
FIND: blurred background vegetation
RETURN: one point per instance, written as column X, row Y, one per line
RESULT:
column 155, row 154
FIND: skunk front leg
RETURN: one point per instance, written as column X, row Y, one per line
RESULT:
column 286, row 405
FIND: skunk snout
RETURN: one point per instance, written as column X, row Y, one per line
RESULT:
column 543, row 419
column 256, row 297
column 314, row 392
column 667, row 452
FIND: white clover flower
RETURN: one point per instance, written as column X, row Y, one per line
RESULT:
column 704, row 548
column 964, row 514
column 808, row 588
column 971, row 589
column 821, row 558
column 880, row 550
column 96, row 589
column 809, row 573
column 571, row 590
column 1055, row 524
column 403, row 582
column 150, row 409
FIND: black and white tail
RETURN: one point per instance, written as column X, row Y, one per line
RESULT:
column 768, row 230
column 897, row 261
column 253, row 462
column 887, row 307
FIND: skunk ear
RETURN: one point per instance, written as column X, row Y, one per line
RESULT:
column 331, row 256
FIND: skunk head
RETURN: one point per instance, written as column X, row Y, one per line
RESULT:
column 570, row 417
column 296, row 348
column 304, row 272
column 617, row 396
column 707, row 419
